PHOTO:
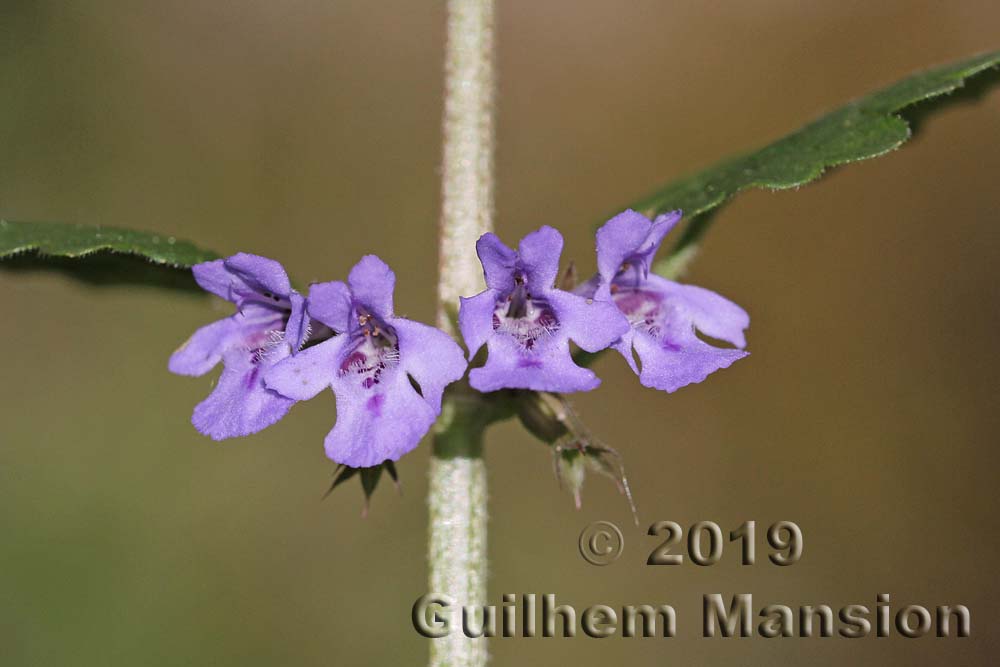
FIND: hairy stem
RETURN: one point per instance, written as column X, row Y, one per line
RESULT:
column 457, row 494
column 467, row 186
column 458, row 514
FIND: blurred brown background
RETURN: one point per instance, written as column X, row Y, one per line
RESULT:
column 309, row 131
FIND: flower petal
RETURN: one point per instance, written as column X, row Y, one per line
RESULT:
column 377, row 424
column 243, row 276
column 240, row 404
column 631, row 235
column 330, row 303
column 297, row 327
column 209, row 344
column 624, row 347
column 307, row 373
column 498, row 262
column 214, row 277
column 549, row 367
column 372, row 283
column 430, row 356
column 669, row 364
column 663, row 224
column 539, row 253
column 204, row 349
column 475, row 319
column 713, row 315
column 263, row 275
column 593, row 325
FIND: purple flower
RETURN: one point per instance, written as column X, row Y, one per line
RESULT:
column 268, row 326
column 526, row 323
column 372, row 365
column 664, row 315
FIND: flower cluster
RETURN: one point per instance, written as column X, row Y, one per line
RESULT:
column 389, row 373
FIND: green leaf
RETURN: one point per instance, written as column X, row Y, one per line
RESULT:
column 54, row 239
column 113, row 255
column 865, row 128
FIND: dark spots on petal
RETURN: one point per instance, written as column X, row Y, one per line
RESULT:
column 374, row 404
column 271, row 296
column 354, row 361
column 529, row 362
column 251, row 376
column 371, row 358
column 546, row 319
column 670, row 346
